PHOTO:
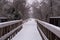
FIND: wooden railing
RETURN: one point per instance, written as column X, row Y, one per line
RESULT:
column 9, row 29
column 48, row 31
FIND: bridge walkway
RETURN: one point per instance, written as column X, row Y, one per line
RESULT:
column 28, row 32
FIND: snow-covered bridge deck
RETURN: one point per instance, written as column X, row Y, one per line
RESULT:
column 28, row 32
column 30, row 29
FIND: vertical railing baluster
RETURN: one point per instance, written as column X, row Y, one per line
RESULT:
column 50, row 35
column 9, row 28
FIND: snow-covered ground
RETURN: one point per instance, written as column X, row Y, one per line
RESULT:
column 28, row 32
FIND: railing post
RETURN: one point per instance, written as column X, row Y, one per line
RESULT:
column 50, row 31
column 9, row 29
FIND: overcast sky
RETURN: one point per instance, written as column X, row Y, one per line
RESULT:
column 31, row 1
column 28, row 1
column 10, row 0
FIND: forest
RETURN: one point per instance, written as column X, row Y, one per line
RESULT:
column 21, row 9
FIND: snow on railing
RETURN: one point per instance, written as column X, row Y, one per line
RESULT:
column 52, row 32
column 11, row 34
column 41, row 33
column 4, row 24
column 7, row 27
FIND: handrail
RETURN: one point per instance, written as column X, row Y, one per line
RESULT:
column 14, row 30
column 4, row 24
column 6, row 27
column 45, row 38
column 52, row 28
column 10, row 33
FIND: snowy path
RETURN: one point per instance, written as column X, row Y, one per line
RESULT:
column 28, row 32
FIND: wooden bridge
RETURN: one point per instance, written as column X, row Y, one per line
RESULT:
column 29, row 29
